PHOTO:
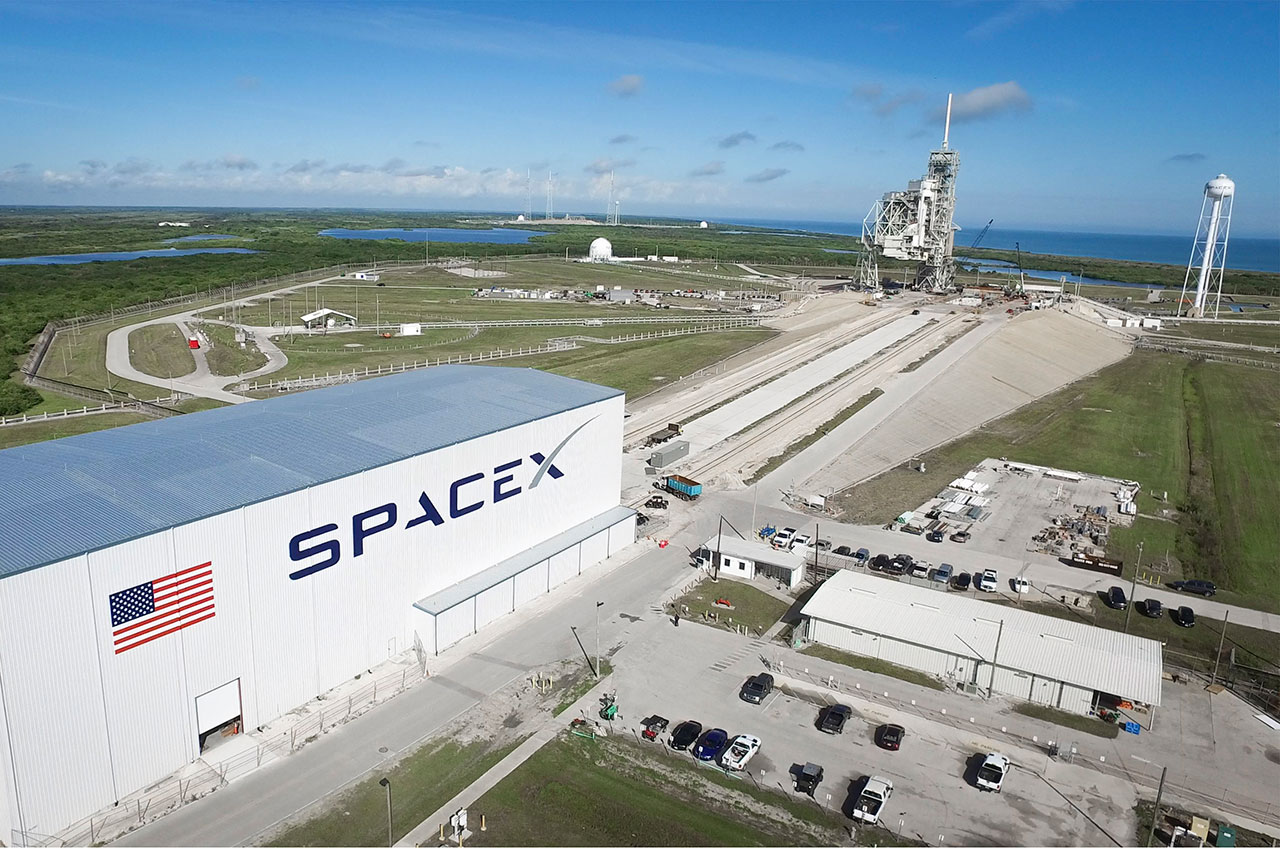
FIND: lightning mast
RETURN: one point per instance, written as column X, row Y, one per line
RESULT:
column 550, row 192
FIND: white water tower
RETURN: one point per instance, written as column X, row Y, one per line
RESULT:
column 1209, row 252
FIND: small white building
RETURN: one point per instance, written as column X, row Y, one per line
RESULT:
column 980, row 646
column 702, row 225
column 327, row 318
column 411, row 329
column 366, row 275
column 172, row 224
column 747, row 559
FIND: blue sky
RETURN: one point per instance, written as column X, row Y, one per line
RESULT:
column 1083, row 116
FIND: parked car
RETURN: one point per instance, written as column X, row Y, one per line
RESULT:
column 1152, row 608
column 1021, row 585
column 801, row 541
column 741, row 750
column 711, row 744
column 992, row 771
column 1116, row 599
column 757, row 688
column 960, row 536
column 823, row 544
column 919, row 570
column 890, row 736
column 1184, row 617
column 878, row 562
column 832, row 719
column 843, row 550
column 987, row 581
column 862, row 555
column 1195, row 587
column 942, row 574
column 685, row 734
column 809, row 777
column 935, row 536
column 961, row 581
column 782, row 539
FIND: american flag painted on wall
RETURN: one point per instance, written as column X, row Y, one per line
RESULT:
column 146, row 612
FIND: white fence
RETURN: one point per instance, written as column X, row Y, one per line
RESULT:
column 123, row 406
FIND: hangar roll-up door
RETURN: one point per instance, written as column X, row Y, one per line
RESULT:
column 217, row 708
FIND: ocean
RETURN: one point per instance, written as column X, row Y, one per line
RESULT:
column 1243, row 254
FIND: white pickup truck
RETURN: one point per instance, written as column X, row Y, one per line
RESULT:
column 992, row 772
column 871, row 802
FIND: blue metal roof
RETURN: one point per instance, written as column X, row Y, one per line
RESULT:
column 83, row 493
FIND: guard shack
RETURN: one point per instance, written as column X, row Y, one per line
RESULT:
column 747, row 560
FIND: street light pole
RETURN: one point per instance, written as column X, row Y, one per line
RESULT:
column 1128, row 610
column 390, row 838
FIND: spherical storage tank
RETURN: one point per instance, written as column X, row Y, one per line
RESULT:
column 1220, row 186
column 600, row 249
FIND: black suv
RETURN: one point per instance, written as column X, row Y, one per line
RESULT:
column 1195, row 587
column 757, row 688
column 1116, row 598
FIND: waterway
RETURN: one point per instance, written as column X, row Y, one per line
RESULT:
column 122, row 256
column 1245, row 254
column 445, row 234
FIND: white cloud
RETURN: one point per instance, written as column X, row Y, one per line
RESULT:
column 788, row 145
column 868, row 91
column 625, row 138
column 767, row 175
column 987, row 102
column 708, row 170
column 1014, row 14
column 627, row 85
column 604, row 166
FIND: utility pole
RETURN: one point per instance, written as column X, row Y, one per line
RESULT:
column 1222, row 638
column 391, row 840
column 991, row 684
column 1133, row 585
column 598, row 605
column 1155, row 812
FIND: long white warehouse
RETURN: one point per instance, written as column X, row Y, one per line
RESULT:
column 161, row 581
column 986, row 647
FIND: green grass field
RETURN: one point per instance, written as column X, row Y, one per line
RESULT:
column 1245, row 332
column 421, row 783
column 43, row 431
column 224, row 354
column 1075, row 721
column 757, row 609
column 876, row 666
column 161, row 350
column 80, row 357
column 613, row 792
column 1198, row 430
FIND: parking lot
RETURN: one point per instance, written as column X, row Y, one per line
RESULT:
column 694, row 672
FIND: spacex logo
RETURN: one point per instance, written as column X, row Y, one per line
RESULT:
column 320, row 547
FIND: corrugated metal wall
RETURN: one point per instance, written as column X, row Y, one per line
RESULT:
column 89, row 725
column 1073, row 699
column 563, row 566
column 495, row 602
column 1045, row 691
column 594, row 550
column 531, row 583
column 915, row 656
column 54, row 694
column 1015, row 683
column 8, row 801
column 455, row 624
column 622, row 534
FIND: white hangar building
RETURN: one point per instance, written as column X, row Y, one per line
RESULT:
column 160, row 581
column 983, row 646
